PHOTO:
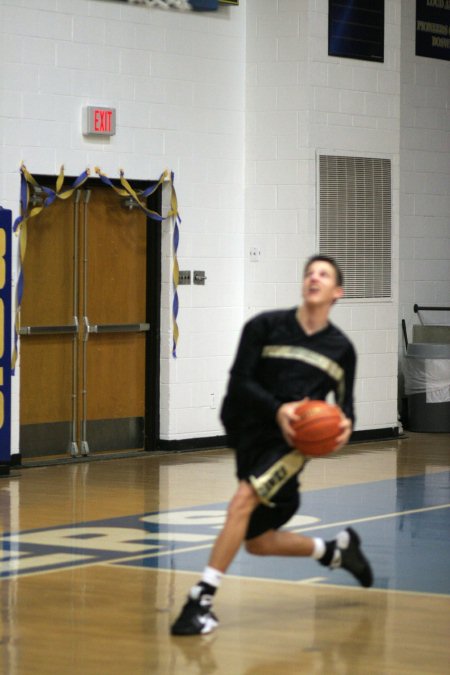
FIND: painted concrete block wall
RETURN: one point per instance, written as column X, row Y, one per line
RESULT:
column 424, row 182
column 244, row 98
column 177, row 82
column 301, row 102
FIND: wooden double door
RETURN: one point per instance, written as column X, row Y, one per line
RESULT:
column 85, row 328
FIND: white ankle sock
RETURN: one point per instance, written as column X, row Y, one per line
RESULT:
column 319, row 548
column 212, row 576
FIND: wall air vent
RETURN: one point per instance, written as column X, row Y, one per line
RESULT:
column 355, row 221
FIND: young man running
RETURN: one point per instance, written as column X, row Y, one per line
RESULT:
column 284, row 356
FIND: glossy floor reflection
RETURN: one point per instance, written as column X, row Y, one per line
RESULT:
column 97, row 558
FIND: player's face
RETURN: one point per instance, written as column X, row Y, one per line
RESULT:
column 320, row 284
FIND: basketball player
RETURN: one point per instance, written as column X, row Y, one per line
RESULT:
column 284, row 356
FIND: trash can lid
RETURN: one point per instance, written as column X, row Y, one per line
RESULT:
column 428, row 350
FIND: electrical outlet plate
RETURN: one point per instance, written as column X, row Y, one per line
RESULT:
column 255, row 254
column 184, row 278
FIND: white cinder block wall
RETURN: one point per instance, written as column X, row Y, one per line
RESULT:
column 424, row 182
column 300, row 102
column 204, row 94
column 177, row 81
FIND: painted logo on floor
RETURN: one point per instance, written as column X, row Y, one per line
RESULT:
column 406, row 520
column 131, row 540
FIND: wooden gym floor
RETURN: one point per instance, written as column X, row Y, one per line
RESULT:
column 97, row 558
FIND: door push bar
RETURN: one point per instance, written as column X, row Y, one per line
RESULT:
column 118, row 327
column 50, row 330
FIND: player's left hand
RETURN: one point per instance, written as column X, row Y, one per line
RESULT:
column 345, row 428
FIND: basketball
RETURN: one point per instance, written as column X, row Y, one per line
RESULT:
column 317, row 427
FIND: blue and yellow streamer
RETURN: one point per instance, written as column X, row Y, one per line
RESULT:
column 26, row 214
column 127, row 191
column 175, row 281
column 21, row 225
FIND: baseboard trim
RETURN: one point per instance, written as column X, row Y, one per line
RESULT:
column 385, row 434
column 4, row 469
column 187, row 444
column 16, row 460
column 184, row 445
column 213, row 442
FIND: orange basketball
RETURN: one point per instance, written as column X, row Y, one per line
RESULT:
column 317, row 427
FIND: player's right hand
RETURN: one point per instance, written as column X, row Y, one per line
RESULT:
column 285, row 418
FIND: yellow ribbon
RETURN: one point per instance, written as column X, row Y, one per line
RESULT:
column 128, row 191
column 125, row 191
column 22, row 225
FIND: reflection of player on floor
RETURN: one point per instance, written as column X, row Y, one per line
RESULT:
column 283, row 357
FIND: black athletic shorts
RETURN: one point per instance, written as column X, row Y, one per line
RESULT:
column 273, row 473
column 265, row 517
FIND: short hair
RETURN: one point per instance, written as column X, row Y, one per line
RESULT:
column 331, row 261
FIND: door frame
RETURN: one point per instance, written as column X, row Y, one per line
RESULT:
column 153, row 299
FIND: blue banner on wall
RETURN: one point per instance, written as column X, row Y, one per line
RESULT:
column 5, row 335
column 356, row 29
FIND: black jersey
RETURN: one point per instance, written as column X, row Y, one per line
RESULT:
column 277, row 362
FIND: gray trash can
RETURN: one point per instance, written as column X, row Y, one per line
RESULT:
column 427, row 386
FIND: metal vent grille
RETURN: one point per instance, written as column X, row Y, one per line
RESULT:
column 355, row 221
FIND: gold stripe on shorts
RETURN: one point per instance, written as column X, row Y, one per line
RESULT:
column 268, row 484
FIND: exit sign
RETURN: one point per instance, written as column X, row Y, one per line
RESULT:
column 99, row 121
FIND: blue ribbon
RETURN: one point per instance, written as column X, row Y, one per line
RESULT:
column 20, row 225
column 175, row 303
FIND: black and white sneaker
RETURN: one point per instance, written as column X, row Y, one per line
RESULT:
column 348, row 556
column 196, row 617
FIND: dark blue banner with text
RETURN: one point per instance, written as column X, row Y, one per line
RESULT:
column 5, row 335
